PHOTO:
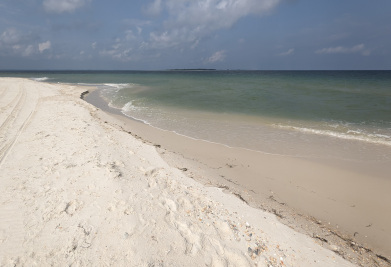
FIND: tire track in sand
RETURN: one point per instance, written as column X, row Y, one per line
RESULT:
column 12, row 228
column 3, row 93
column 14, row 112
column 12, row 102
column 8, row 141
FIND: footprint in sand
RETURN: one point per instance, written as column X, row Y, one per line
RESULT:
column 152, row 172
column 3, row 236
column 73, row 206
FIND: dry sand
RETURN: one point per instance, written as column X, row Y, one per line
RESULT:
column 77, row 191
column 346, row 205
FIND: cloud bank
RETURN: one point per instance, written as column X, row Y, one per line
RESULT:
column 154, row 8
column 182, row 25
column 287, row 53
column 44, row 46
column 15, row 42
column 217, row 56
column 189, row 20
column 360, row 48
column 61, row 6
column 153, row 34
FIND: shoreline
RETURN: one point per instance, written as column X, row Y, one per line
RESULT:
column 78, row 188
column 324, row 208
column 100, row 102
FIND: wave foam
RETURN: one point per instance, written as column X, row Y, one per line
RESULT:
column 350, row 135
column 40, row 79
column 128, row 107
column 118, row 85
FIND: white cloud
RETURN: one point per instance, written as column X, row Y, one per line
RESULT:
column 28, row 51
column 195, row 44
column 130, row 35
column 12, row 41
column 216, row 14
column 360, row 48
column 10, row 36
column 165, row 39
column 189, row 20
column 185, row 24
column 61, row 6
column 23, row 50
column 136, row 23
column 287, row 53
column 217, row 56
column 155, row 8
column 118, row 52
column 44, row 46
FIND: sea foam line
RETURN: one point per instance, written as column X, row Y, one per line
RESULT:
column 357, row 136
column 119, row 85
column 40, row 79
column 128, row 107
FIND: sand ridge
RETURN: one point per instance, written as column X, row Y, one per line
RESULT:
column 77, row 191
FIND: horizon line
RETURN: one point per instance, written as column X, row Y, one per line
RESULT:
column 185, row 69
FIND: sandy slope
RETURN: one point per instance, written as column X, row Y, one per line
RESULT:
column 76, row 191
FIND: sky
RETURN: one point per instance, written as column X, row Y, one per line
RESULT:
column 172, row 34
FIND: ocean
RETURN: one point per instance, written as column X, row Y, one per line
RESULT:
column 314, row 114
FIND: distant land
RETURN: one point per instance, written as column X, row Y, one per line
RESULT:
column 191, row 69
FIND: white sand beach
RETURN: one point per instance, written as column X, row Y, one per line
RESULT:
column 76, row 191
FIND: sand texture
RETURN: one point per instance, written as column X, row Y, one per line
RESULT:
column 343, row 204
column 75, row 191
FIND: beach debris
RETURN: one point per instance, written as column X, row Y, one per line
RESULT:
column 275, row 212
column 240, row 197
column 320, row 238
column 271, row 197
column 229, row 180
column 83, row 94
column 383, row 258
column 335, row 248
column 253, row 253
column 223, row 186
column 186, row 209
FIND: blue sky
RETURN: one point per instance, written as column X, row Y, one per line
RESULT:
column 222, row 34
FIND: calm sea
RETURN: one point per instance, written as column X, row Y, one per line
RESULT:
column 336, row 114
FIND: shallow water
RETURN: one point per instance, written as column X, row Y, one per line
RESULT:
column 327, row 114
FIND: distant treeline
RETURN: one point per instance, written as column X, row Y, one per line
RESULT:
column 192, row 69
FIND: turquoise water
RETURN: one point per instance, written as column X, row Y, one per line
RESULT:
column 270, row 111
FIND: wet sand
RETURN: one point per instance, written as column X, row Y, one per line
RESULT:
column 77, row 188
column 346, row 204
